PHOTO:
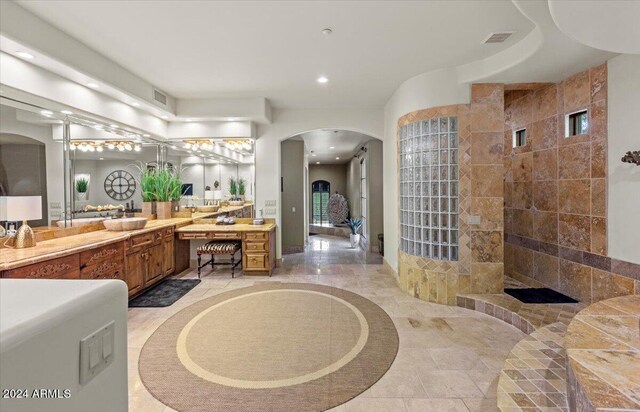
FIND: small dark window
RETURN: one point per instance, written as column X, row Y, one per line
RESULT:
column 519, row 137
column 576, row 123
column 320, row 193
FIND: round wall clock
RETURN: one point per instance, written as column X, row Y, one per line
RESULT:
column 120, row 185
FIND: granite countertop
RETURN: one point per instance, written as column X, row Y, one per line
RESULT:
column 603, row 351
column 238, row 227
column 64, row 246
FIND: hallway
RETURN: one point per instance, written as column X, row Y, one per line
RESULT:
column 326, row 249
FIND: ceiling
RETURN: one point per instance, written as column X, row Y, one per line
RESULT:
column 275, row 49
column 319, row 143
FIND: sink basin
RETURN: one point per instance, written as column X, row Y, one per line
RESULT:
column 206, row 209
column 82, row 222
column 127, row 223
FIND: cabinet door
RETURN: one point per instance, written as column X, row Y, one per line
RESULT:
column 168, row 255
column 154, row 262
column 136, row 271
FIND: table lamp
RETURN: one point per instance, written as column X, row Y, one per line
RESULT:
column 15, row 208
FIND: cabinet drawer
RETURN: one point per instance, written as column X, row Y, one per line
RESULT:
column 104, row 270
column 67, row 267
column 193, row 235
column 256, row 236
column 256, row 261
column 224, row 235
column 256, row 246
column 108, row 252
column 141, row 240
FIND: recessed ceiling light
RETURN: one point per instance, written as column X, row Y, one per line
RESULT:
column 135, row 104
column 326, row 31
column 92, row 85
column 102, row 158
column 317, row 163
column 322, row 79
column 331, row 147
column 164, row 116
column 66, row 112
column 115, row 126
column 189, row 120
column 46, row 112
column 146, row 135
column 25, row 55
column 313, row 154
column 337, row 158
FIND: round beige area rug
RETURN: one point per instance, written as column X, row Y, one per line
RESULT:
column 269, row 347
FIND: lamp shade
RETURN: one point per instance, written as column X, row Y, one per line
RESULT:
column 217, row 194
column 15, row 208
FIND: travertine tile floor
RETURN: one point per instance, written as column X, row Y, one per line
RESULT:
column 449, row 357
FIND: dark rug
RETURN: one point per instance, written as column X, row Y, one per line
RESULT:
column 165, row 293
column 539, row 295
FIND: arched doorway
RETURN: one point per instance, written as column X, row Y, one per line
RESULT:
column 335, row 162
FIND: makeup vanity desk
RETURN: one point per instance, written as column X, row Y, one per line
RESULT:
column 258, row 241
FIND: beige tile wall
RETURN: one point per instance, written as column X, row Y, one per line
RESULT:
column 480, row 193
column 555, row 190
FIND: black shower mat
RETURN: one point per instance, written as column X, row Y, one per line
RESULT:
column 539, row 295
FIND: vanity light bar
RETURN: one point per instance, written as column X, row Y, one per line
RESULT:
column 95, row 146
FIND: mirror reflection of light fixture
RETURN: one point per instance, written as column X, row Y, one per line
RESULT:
column 196, row 144
column 98, row 146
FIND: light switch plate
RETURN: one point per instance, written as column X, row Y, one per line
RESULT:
column 96, row 352
column 474, row 220
column 269, row 202
column 270, row 211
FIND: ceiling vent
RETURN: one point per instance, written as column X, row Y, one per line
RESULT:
column 498, row 37
column 159, row 97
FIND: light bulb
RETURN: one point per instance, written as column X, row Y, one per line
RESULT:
column 137, row 148
column 187, row 145
column 72, row 146
column 111, row 146
column 121, row 148
column 99, row 149
column 128, row 146
column 92, row 149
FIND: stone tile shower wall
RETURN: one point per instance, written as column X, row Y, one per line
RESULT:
column 479, row 268
column 556, row 192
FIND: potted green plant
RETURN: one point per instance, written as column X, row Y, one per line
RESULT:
column 82, row 186
column 233, row 188
column 168, row 187
column 354, row 225
column 242, row 183
column 148, row 190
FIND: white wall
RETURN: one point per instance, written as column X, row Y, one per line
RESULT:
column 624, row 178
column 438, row 88
column 289, row 122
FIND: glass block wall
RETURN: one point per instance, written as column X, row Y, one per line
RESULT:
column 429, row 188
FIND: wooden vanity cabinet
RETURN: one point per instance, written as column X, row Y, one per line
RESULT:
column 67, row 267
column 106, row 262
column 150, row 258
column 259, row 252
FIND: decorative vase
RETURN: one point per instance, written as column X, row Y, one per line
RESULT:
column 82, row 196
column 354, row 239
column 148, row 208
column 163, row 210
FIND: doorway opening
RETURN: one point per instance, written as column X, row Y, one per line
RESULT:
column 320, row 192
column 342, row 180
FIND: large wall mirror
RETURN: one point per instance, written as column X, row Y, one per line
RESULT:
column 101, row 172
